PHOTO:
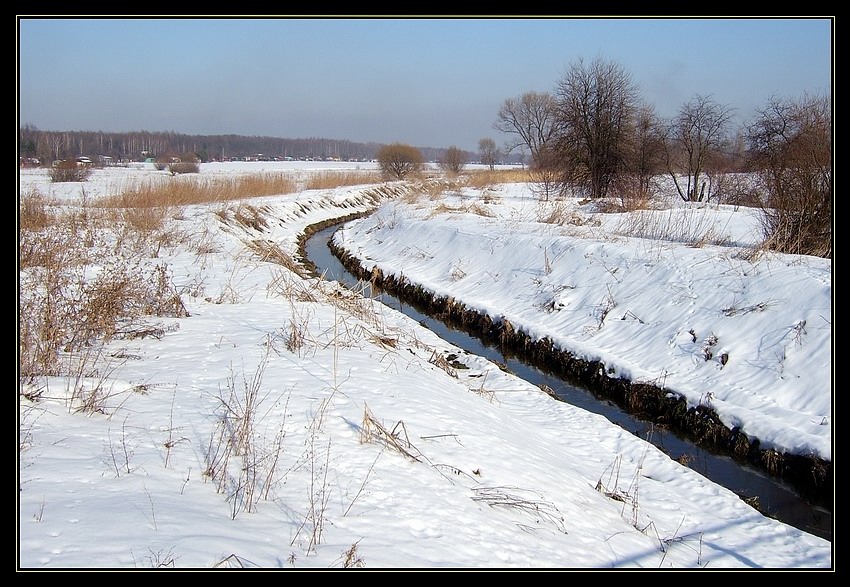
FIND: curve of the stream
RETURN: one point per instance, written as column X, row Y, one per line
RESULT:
column 771, row 496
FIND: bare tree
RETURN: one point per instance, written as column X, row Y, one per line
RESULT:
column 530, row 119
column 596, row 106
column 791, row 146
column 397, row 160
column 643, row 158
column 545, row 174
column 696, row 135
column 453, row 160
column 489, row 152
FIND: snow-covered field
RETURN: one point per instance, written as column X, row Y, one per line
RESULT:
column 285, row 424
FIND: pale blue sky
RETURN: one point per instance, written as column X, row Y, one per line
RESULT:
column 429, row 82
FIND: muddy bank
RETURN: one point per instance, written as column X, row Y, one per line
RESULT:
column 318, row 227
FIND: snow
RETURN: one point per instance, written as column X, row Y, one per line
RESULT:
column 361, row 447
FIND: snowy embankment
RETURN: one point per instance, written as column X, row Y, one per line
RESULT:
column 747, row 335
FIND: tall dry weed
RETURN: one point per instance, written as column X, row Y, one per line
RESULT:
column 325, row 180
column 78, row 285
column 480, row 179
column 687, row 226
column 181, row 191
column 34, row 212
column 146, row 219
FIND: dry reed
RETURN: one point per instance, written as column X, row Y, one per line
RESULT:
column 326, row 180
column 485, row 178
column 188, row 190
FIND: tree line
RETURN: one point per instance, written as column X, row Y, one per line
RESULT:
column 594, row 136
column 48, row 146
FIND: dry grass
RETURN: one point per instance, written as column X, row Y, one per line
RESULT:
column 440, row 361
column 474, row 208
column 170, row 192
column 443, row 208
column 146, row 219
column 351, row 559
column 527, row 502
column 692, row 226
column 480, row 210
column 372, row 430
column 325, row 180
column 237, row 460
column 62, row 310
column 355, row 302
column 34, row 212
column 432, row 188
column 285, row 284
column 485, row 178
column 251, row 217
column 184, row 191
column 272, row 252
column 81, row 283
column 560, row 212
column 490, row 196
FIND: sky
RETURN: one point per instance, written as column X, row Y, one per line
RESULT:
column 428, row 82
column 371, row 442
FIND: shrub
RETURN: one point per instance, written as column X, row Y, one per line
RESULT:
column 791, row 145
column 397, row 161
column 67, row 171
column 453, row 160
column 183, row 167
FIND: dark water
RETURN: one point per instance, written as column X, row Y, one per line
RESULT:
column 775, row 498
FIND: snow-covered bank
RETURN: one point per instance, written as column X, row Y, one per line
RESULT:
column 749, row 335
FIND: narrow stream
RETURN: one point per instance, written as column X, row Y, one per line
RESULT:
column 775, row 498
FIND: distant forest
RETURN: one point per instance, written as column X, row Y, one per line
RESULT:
column 116, row 147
